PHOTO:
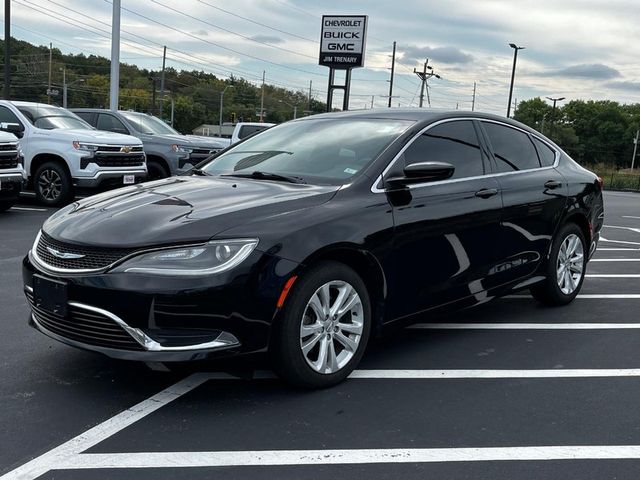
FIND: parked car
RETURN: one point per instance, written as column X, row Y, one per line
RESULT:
column 61, row 151
column 311, row 237
column 12, row 174
column 168, row 151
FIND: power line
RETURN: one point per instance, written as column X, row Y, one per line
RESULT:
column 258, row 23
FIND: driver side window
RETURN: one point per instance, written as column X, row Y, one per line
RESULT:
column 453, row 142
column 110, row 123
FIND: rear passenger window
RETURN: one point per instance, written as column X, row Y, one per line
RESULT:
column 513, row 149
column 86, row 116
column 451, row 142
column 545, row 152
column 110, row 123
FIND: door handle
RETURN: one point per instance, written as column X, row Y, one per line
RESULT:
column 551, row 184
column 487, row 192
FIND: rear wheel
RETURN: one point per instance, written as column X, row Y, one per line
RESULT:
column 325, row 327
column 7, row 204
column 52, row 184
column 565, row 269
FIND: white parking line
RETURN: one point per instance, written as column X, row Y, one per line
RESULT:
column 591, row 296
column 615, row 260
column 637, row 230
column 602, row 239
column 630, row 216
column 51, row 459
column 612, row 275
column 525, row 326
column 347, row 456
column 69, row 456
column 30, row 209
column 601, row 249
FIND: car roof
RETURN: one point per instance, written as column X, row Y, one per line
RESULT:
column 34, row 104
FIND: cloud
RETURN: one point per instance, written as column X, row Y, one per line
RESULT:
column 267, row 39
column 596, row 71
column 437, row 54
column 202, row 33
column 624, row 85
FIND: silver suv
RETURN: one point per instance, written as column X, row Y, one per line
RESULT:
column 168, row 152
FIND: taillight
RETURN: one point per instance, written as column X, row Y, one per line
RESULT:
column 600, row 183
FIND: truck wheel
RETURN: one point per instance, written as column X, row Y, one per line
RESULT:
column 156, row 170
column 52, row 184
column 7, row 204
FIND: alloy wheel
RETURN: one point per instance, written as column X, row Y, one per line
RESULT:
column 332, row 326
column 50, row 184
column 570, row 264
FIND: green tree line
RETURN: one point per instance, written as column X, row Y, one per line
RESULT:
column 592, row 132
column 195, row 94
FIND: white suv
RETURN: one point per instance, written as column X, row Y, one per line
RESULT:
column 61, row 151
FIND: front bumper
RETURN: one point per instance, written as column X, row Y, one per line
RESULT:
column 111, row 178
column 165, row 319
column 11, row 184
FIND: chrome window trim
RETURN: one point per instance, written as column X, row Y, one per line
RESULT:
column 375, row 189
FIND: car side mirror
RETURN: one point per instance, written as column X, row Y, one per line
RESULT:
column 421, row 172
column 15, row 128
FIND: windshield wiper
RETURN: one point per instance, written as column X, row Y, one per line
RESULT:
column 258, row 175
column 198, row 171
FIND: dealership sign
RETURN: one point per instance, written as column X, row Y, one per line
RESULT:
column 343, row 41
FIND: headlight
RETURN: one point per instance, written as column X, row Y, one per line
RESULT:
column 212, row 257
column 181, row 148
column 85, row 147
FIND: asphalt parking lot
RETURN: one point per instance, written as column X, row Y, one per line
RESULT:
column 507, row 390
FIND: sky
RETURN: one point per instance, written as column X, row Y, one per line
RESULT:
column 577, row 49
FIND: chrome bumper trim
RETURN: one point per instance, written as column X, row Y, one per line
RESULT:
column 223, row 341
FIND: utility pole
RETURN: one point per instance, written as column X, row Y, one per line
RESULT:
column 373, row 97
column 473, row 102
column 164, row 59
column 393, row 66
column 262, row 99
column 553, row 113
column 513, row 74
column 7, row 49
column 64, row 87
column 115, row 57
column 153, row 94
column 309, row 103
column 635, row 149
column 50, row 58
column 221, row 104
column 173, row 106
column 426, row 73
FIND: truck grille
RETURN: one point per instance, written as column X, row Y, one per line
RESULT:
column 122, row 160
column 8, row 162
column 93, row 258
column 118, row 148
column 85, row 326
column 11, row 147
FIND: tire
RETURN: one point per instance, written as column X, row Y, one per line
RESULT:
column 554, row 291
column 156, row 170
column 52, row 184
column 7, row 204
column 331, row 334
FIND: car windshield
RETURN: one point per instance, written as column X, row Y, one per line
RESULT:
column 51, row 118
column 315, row 151
column 149, row 124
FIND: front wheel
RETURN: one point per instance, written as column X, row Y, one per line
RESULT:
column 565, row 268
column 324, row 328
column 52, row 184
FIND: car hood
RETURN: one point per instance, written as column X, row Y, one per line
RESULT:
column 92, row 136
column 189, row 140
column 178, row 210
column 208, row 142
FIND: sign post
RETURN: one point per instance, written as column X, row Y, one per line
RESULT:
column 342, row 47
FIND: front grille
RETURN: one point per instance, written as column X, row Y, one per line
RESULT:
column 123, row 160
column 94, row 258
column 5, row 147
column 85, row 326
column 116, row 148
column 8, row 161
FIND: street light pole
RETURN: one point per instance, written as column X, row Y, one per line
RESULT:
column 513, row 74
column 295, row 108
column 553, row 113
column 221, row 104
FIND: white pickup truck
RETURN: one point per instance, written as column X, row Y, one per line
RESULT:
column 61, row 151
column 12, row 174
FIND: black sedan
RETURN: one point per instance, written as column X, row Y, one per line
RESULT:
column 310, row 238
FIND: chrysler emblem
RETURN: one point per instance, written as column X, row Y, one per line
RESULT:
column 64, row 255
column 126, row 149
